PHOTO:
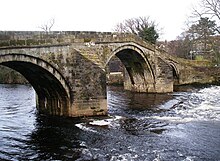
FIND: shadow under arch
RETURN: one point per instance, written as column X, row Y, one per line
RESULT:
column 139, row 71
column 175, row 73
column 51, row 88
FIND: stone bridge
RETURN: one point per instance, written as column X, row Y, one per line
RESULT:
column 68, row 69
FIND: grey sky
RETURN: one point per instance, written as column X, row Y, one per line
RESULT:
column 93, row 15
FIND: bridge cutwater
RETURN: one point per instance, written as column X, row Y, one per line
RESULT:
column 68, row 69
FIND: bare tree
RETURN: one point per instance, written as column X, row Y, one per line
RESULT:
column 141, row 26
column 208, row 8
column 134, row 25
column 48, row 25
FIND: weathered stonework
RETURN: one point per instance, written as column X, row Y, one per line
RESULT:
column 115, row 78
column 68, row 69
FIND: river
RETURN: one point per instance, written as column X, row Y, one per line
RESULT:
column 179, row 126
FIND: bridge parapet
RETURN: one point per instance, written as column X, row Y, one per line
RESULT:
column 30, row 38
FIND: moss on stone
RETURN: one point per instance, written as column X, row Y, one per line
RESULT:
column 87, row 39
column 4, row 43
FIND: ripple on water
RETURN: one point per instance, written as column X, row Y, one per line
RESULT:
column 178, row 126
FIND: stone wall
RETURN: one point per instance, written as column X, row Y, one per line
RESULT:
column 201, row 75
column 115, row 78
column 68, row 69
column 27, row 38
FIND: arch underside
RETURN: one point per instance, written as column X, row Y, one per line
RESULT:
column 52, row 95
column 138, row 75
column 175, row 73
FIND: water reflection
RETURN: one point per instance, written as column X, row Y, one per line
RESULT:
column 55, row 138
column 130, row 103
column 178, row 126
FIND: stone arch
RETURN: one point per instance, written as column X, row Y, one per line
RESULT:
column 138, row 68
column 135, row 48
column 52, row 90
column 175, row 72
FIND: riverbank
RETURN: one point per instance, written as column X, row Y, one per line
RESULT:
column 9, row 76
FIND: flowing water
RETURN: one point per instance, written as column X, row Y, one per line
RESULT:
column 182, row 126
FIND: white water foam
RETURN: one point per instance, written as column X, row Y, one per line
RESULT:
column 112, row 122
column 169, row 104
column 207, row 107
column 173, row 119
column 201, row 105
column 124, row 157
column 83, row 127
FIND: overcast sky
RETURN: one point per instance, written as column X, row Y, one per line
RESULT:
column 94, row 15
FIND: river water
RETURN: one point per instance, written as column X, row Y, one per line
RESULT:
column 182, row 126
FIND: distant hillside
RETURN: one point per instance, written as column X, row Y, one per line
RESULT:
column 9, row 76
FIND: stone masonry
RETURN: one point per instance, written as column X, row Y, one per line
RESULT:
column 68, row 69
